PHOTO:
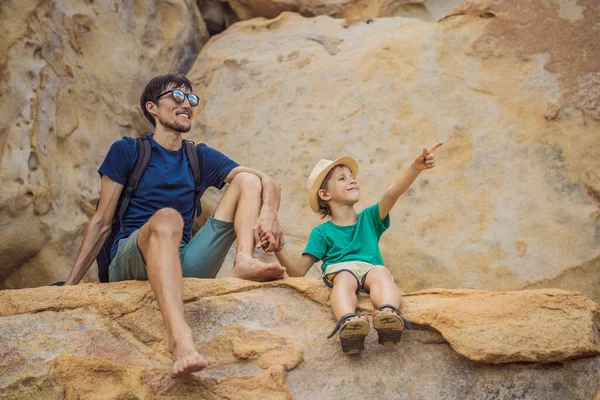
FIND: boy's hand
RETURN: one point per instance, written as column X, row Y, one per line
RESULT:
column 265, row 239
column 426, row 159
column 268, row 221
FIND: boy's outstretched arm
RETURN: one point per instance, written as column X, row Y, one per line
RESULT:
column 424, row 160
column 293, row 267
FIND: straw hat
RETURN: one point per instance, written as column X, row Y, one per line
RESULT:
column 320, row 171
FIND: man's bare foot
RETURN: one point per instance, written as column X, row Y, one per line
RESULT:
column 186, row 359
column 247, row 267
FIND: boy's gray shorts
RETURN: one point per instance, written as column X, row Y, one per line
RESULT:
column 202, row 257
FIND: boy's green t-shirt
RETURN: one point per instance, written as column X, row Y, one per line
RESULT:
column 359, row 242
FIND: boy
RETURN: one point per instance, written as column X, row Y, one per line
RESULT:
column 348, row 244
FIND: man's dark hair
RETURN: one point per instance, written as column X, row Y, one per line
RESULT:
column 159, row 85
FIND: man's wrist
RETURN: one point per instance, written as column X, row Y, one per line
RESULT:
column 268, row 211
column 72, row 279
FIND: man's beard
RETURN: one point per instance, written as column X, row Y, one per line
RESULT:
column 176, row 126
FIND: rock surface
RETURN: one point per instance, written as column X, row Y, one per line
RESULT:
column 514, row 200
column 352, row 10
column 71, row 75
column 510, row 87
column 267, row 341
column 561, row 31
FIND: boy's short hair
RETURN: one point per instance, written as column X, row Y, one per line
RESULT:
column 324, row 209
column 159, row 85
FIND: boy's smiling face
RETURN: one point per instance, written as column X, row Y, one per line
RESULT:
column 341, row 187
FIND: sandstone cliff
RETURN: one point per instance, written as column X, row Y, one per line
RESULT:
column 511, row 87
column 268, row 341
column 71, row 75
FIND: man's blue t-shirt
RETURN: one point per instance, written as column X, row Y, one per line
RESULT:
column 167, row 182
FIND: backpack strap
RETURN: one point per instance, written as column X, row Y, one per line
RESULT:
column 193, row 156
column 143, row 158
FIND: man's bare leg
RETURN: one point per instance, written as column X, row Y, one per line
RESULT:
column 241, row 205
column 158, row 241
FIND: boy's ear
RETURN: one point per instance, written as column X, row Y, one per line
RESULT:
column 324, row 195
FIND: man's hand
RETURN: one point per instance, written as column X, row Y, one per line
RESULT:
column 267, row 222
column 426, row 159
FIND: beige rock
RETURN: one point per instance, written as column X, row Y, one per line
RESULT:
column 92, row 378
column 539, row 326
column 20, row 245
column 217, row 15
column 512, row 200
column 562, row 31
column 581, row 277
column 268, row 341
column 352, row 10
column 513, row 203
column 71, row 74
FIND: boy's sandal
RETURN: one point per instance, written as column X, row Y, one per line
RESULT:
column 352, row 333
column 389, row 326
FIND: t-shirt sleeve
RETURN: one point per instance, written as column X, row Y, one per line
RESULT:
column 380, row 225
column 119, row 160
column 316, row 245
column 215, row 166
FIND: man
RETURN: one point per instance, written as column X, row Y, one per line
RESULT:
column 154, row 242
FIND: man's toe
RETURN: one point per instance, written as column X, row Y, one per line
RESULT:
column 179, row 366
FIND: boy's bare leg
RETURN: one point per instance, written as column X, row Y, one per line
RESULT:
column 241, row 205
column 343, row 295
column 158, row 241
column 382, row 288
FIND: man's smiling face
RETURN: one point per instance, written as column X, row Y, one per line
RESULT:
column 174, row 115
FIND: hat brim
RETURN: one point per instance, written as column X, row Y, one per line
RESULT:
column 314, row 189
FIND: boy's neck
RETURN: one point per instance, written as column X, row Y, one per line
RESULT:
column 343, row 214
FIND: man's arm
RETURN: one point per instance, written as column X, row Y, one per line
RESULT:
column 424, row 160
column 267, row 218
column 97, row 230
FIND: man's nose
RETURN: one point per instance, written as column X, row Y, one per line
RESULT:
column 186, row 103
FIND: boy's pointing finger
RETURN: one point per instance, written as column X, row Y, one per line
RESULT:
column 435, row 147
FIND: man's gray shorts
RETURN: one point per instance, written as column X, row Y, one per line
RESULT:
column 202, row 257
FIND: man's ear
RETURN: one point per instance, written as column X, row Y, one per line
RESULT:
column 324, row 195
column 151, row 108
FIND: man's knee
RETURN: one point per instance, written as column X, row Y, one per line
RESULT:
column 247, row 182
column 167, row 222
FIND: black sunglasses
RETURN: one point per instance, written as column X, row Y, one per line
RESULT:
column 179, row 97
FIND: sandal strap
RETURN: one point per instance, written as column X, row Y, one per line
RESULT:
column 341, row 321
column 393, row 307
column 407, row 324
